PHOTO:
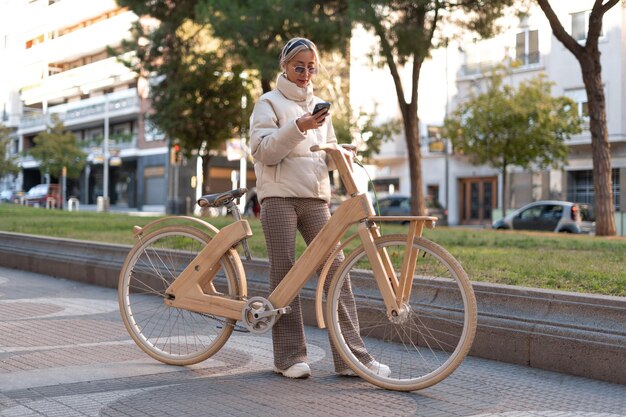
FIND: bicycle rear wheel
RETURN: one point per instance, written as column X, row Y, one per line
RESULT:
column 432, row 335
column 168, row 334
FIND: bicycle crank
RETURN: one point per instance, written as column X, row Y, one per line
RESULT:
column 259, row 315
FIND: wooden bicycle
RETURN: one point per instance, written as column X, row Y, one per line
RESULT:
column 183, row 288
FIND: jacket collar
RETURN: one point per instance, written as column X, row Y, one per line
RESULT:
column 293, row 92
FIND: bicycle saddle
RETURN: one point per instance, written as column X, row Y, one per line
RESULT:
column 220, row 199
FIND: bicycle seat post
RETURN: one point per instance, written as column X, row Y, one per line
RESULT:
column 234, row 210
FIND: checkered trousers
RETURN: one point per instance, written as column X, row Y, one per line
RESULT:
column 281, row 219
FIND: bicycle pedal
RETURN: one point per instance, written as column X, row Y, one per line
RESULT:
column 236, row 328
column 284, row 310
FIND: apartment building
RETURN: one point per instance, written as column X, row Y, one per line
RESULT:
column 530, row 43
column 471, row 193
column 55, row 61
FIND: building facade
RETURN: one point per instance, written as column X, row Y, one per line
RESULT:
column 62, row 67
column 55, row 61
column 471, row 193
column 530, row 45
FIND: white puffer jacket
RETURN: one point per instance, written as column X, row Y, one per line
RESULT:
column 283, row 163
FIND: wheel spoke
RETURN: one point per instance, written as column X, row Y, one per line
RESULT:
column 430, row 335
column 170, row 334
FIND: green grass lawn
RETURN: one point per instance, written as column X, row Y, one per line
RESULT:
column 543, row 260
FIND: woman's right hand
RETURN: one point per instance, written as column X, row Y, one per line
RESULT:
column 311, row 121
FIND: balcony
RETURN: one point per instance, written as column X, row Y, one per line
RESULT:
column 478, row 68
column 520, row 62
column 85, row 111
column 525, row 60
column 78, row 81
column 81, row 42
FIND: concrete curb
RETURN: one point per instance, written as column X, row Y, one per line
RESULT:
column 578, row 334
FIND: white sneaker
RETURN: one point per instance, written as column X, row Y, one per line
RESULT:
column 374, row 366
column 298, row 370
column 346, row 372
column 379, row 369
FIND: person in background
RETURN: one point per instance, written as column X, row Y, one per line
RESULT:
column 293, row 187
column 253, row 208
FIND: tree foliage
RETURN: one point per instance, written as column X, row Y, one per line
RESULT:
column 255, row 31
column 252, row 43
column 8, row 163
column 57, row 148
column 506, row 126
column 197, row 92
column 588, row 56
column 406, row 31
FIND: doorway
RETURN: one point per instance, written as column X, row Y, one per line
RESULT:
column 478, row 197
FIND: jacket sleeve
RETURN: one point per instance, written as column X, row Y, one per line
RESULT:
column 269, row 142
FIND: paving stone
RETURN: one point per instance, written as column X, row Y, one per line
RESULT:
column 64, row 352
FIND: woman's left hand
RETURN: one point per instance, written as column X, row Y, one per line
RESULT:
column 311, row 121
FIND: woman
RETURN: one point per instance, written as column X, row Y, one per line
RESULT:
column 293, row 187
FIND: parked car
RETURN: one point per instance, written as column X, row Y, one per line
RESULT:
column 550, row 215
column 6, row 196
column 400, row 205
column 39, row 194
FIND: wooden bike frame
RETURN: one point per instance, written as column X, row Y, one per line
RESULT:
column 192, row 289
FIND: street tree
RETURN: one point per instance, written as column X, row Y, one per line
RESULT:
column 256, row 31
column 8, row 163
column 261, row 30
column 506, row 126
column 197, row 93
column 57, row 148
column 263, row 27
column 406, row 31
column 587, row 54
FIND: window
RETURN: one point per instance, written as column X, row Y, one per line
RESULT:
column 435, row 142
column 580, row 187
column 552, row 212
column 34, row 41
column 532, row 213
column 579, row 95
column 152, row 132
column 527, row 47
column 94, row 136
column 580, row 25
column 122, row 133
column 386, row 185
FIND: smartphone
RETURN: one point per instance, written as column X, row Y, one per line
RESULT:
column 321, row 106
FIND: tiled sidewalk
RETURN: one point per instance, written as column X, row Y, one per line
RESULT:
column 64, row 352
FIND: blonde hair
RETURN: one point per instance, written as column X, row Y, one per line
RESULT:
column 293, row 47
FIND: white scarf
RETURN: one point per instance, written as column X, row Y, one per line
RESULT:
column 293, row 92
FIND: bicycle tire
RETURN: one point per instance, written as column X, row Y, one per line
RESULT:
column 171, row 335
column 434, row 336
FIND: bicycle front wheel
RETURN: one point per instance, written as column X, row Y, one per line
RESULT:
column 168, row 334
column 432, row 334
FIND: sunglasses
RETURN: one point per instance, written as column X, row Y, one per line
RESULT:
column 302, row 70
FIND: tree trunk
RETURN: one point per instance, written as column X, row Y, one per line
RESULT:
column 266, row 85
column 205, row 174
column 413, row 144
column 600, row 147
column 589, row 59
column 409, row 110
column 504, row 189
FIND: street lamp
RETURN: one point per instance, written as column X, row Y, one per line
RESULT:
column 105, row 144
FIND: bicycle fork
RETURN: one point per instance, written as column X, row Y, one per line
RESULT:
column 395, row 290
